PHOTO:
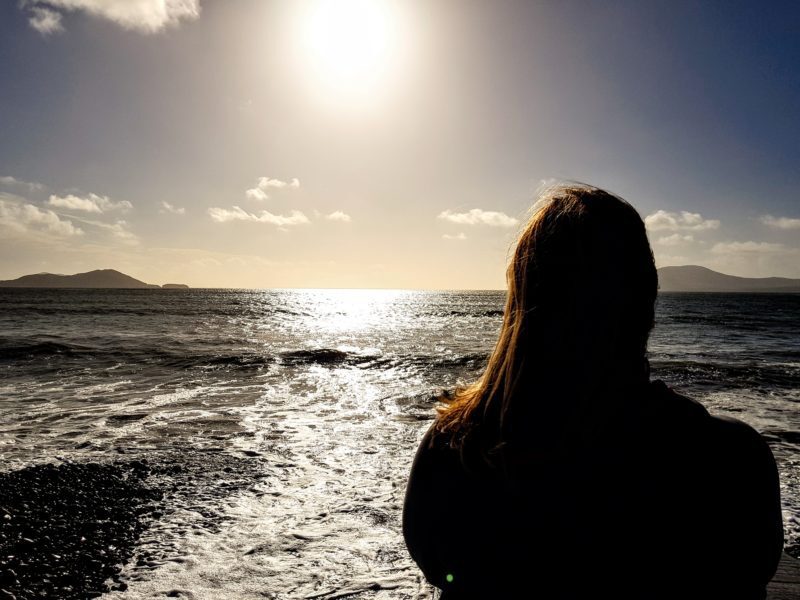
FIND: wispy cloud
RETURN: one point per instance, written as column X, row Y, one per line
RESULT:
column 91, row 203
column 748, row 248
column 145, row 16
column 676, row 239
column 754, row 259
column 780, row 222
column 120, row 231
column 459, row 236
column 166, row 207
column 340, row 216
column 44, row 20
column 23, row 217
column 662, row 220
column 265, row 183
column 477, row 216
column 13, row 181
column 224, row 215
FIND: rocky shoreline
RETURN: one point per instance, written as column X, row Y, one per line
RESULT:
column 67, row 530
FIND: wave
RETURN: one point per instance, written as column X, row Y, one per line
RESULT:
column 90, row 309
column 730, row 375
column 450, row 361
column 37, row 350
column 786, row 353
column 473, row 313
column 752, row 374
column 335, row 357
column 242, row 361
column 322, row 356
column 782, row 436
column 173, row 354
column 727, row 321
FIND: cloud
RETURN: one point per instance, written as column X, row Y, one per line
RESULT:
column 120, row 231
column 338, row 215
column 476, row 216
column 166, row 207
column 91, row 203
column 8, row 180
column 458, row 236
column 224, row 215
column 145, row 16
column 27, row 217
column 265, row 183
column 748, row 248
column 755, row 259
column 780, row 222
column 44, row 20
column 256, row 194
column 676, row 239
column 662, row 220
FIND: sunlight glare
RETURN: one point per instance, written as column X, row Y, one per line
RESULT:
column 349, row 310
column 351, row 46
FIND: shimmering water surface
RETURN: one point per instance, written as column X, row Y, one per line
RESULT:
column 328, row 392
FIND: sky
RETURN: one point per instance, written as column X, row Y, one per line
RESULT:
column 388, row 144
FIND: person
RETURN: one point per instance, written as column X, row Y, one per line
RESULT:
column 563, row 471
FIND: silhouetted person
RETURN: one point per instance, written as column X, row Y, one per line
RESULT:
column 564, row 472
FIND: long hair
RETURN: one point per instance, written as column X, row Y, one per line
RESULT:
column 582, row 285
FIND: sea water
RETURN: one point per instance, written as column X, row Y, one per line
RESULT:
column 319, row 397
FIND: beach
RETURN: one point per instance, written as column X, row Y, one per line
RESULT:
column 252, row 444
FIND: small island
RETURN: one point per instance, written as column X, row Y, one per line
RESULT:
column 98, row 279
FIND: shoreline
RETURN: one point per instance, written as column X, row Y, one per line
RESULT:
column 71, row 530
column 106, row 517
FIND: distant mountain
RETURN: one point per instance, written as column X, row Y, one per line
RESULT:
column 699, row 279
column 102, row 278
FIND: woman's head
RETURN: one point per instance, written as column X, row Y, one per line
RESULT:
column 581, row 290
column 582, row 278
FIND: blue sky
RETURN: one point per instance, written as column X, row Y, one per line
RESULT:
column 260, row 144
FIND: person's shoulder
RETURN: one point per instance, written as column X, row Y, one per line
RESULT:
column 434, row 449
column 725, row 432
column 674, row 406
column 736, row 436
column 432, row 441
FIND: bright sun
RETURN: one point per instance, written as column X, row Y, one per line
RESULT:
column 352, row 46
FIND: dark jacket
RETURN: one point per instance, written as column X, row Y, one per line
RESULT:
column 669, row 503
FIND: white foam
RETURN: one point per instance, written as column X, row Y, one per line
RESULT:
column 325, row 523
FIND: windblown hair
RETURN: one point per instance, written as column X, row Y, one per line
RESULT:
column 582, row 285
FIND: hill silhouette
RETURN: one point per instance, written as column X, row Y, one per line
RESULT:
column 101, row 278
column 689, row 278
column 693, row 278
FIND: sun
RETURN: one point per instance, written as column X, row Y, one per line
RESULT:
column 351, row 47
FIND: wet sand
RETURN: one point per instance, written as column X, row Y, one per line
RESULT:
column 786, row 583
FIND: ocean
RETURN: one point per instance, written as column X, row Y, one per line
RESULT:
column 256, row 444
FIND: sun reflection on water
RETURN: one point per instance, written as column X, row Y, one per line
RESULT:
column 353, row 310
